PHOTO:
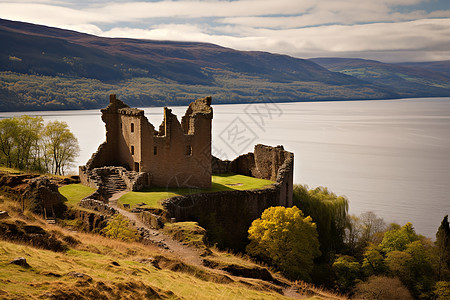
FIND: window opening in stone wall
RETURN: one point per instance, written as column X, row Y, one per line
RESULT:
column 136, row 166
column 132, row 127
column 155, row 150
column 189, row 150
column 132, row 150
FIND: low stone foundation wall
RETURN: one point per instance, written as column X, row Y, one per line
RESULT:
column 99, row 206
column 154, row 221
column 91, row 221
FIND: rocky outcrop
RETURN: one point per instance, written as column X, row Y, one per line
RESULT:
column 44, row 198
column 20, row 261
column 254, row 272
column 88, row 221
column 4, row 215
column 15, row 184
column 30, row 235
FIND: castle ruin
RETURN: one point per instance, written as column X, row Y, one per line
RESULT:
column 178, row 154
column 175, row 155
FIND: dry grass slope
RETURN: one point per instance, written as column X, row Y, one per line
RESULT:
column 95, row 267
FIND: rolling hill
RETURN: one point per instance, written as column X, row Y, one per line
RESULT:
column 437, row 66
column 408, row 79
column 44, row 68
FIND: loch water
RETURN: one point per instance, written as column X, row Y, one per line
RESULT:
column 391, row 157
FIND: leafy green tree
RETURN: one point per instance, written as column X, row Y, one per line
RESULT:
column 119, row 228
column 398, row 239
column 408, row 256
column 285, row 238
column 25, row 144
column 61, row 146
column 442, row 290
column 347, row 271
column 373, row 262
column 420, row 268
column 443, row 250
column 19, row 142
column 9, row 129
column 397, row 262
column 329, row 211
column 27, row 141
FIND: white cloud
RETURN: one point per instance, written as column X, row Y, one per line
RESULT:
column 359, row 28
column 46, row 14
column 413, row 40
column 201, row 9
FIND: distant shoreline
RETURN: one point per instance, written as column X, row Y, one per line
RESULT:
column 226, row 103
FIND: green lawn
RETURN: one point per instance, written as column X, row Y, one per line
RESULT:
column 75, row 192
column 221, row 182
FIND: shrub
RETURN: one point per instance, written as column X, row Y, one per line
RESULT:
column 286, row 239
column 119, row 228
column 380, row 287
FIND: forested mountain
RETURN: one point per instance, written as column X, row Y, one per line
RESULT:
column 430, row 79
column 44, row 68
column 438, row 66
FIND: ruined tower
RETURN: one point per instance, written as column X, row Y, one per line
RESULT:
column 175, row 155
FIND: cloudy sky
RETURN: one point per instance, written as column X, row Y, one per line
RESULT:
column 386, row 30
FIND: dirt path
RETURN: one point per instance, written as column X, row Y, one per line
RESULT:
column 187, row 254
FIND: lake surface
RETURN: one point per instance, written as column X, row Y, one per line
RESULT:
column 387, row 156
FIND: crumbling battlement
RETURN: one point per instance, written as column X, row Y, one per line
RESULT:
column 227, row 215
column 177, row 155
column 266, row 162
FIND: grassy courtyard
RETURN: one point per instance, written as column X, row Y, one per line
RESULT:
column 152, row 197
column 220, row 182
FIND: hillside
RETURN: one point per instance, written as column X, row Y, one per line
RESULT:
column 50, row 68
column 437, row 66
column 44, row 261
column 44, row 68
column 407, row 79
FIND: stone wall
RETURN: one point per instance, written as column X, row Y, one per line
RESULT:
column 44, row 198
column 266, row 162
column 151, row 219
column 96, row 220
column 225, row 215
column 91, row 221
column 177, row 155
column 228, row 215
column 98, row 206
